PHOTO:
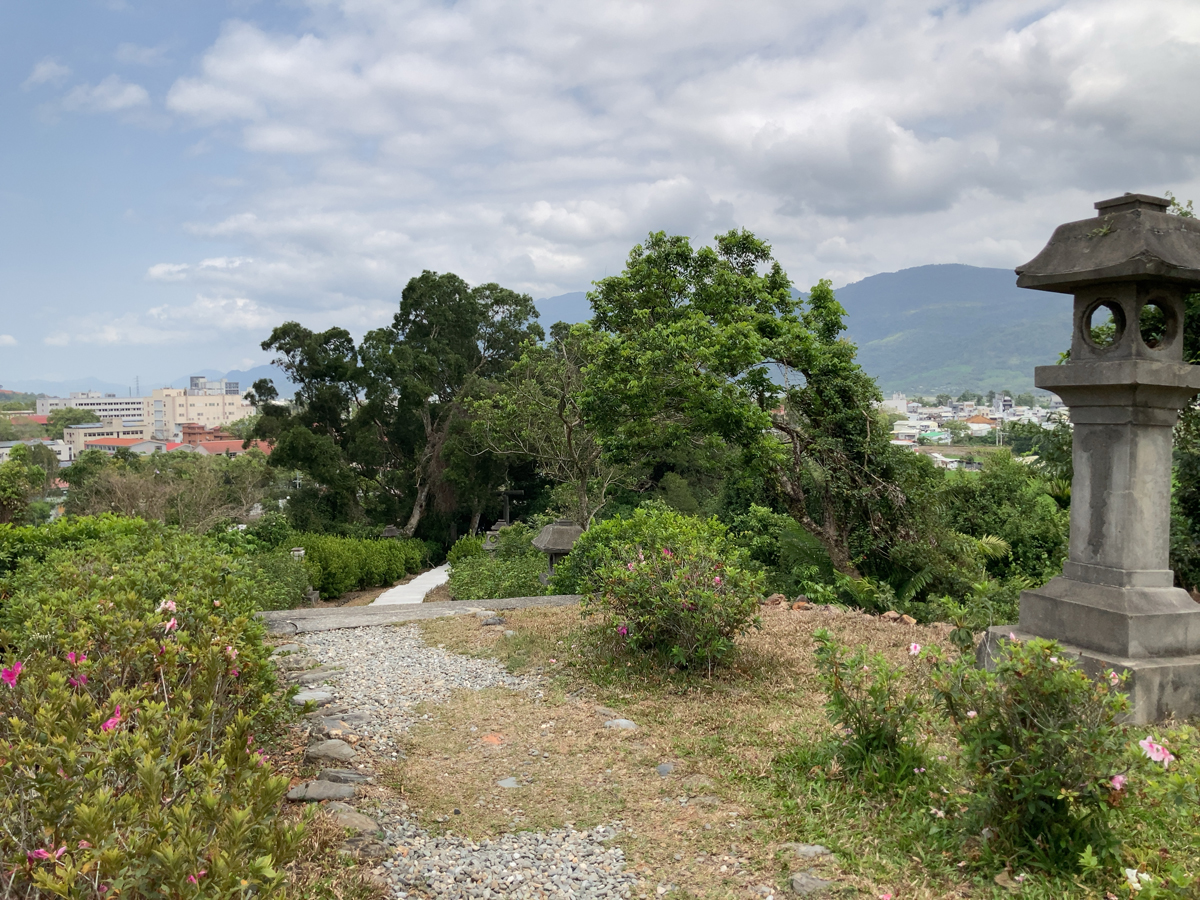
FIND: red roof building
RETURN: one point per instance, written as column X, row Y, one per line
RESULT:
column 232, row 448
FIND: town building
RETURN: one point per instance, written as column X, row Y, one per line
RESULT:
column 231, row 448
column 172, row 408
column 61, row 449
column 108, row 406
column 78, row 436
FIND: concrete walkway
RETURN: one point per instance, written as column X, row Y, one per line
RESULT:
column 415, row 590
column 299, row 621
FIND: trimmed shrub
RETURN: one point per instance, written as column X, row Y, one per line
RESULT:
column 337, row 564
column 135, row 682
column 667, row 584
column 35, row 541
column 1041, row 744
column 513, row 569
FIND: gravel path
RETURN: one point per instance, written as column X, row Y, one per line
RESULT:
column 376, row 676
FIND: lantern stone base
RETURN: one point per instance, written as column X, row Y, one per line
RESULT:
column 1158, row 687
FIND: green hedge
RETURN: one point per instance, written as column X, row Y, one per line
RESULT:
column 337, row 564
column 136, row 693
column 513, row 569
column 35, row 541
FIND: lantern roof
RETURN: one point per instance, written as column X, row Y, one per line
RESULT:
column 558, row 537
column 1132, row 238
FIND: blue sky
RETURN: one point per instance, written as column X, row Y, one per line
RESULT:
column 176, row 177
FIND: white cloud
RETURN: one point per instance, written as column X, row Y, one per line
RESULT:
column 48, row 71
column 135, row 55
column 7, row 340
column 110, row 95
column 534, row 144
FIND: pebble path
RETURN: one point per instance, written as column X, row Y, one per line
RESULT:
column 376, row 675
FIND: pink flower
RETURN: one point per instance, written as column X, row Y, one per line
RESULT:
column 10, row 675
column 84, row 845
column 195, row 879
column 231, row 652
column 1054, row 659
column 60, row 851
column 234, row 673
column 885, row 897
column 971, row 714
column 666, row 552
column 1011, row 636
column 168, row 605
column 38, row 854
column 114, row 721
column 622, row 630
column 1118, row 782
column 717, row 580
column 937, row 812
column 629, row 566
column 1156, row 752
column 172, row 625
column 914, row 649
column 1114, row 679
column 216, row 603
column 76, row 659
column 78, row 680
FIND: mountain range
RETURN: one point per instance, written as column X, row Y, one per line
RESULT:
column 925, row 330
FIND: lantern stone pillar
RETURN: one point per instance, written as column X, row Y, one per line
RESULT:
column 1115, row 604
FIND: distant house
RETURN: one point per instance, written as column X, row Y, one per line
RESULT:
column 231, row 448
column 906, row 431
column 140, row 446
column 943, row 462
column 61, row 449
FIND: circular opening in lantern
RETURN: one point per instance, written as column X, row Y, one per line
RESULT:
column 1104, row 324
column 1156, row 325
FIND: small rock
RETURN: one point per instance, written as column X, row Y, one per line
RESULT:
column 331, row 751
column 316, row 791
column 891, row 615
column 510, row 633
column 805, row 884
column 342, row 776
column 487, row 614
column 807, row 851
column 319, row 698
column 908, row 620
column 621, row 724
column 354, row 820
column 801, row 604
column 665, row 769
column 316, row 676
column 775, row 600
column 287, row 648
column 509, row 782
column 365, row 848
column 493, row 620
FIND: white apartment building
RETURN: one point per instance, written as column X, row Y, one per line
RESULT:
column 61, row 449
column 103, row 405
column 171, row 408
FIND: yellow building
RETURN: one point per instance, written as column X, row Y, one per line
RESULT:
column 171, row 408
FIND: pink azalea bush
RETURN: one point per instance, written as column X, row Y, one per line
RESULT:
column 667, row 584
column 1042, row 748
column 126, row 759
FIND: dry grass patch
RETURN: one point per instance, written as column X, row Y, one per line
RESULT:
column 721, row 735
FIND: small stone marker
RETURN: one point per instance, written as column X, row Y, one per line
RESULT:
column 664, row 769
column 510, row 633
column 806, row 884
column 621, row 724
column 315, row 791
column 509, row 782
column 343, row 776
column 330, row 751
column 320, row 698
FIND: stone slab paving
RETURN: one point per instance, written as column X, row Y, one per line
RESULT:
column 415, row 590
column 301, row 621
column 375, row 676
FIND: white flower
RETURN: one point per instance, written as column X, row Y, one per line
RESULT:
column 1136, row 880
column 971, row 714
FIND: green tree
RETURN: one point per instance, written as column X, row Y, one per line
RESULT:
column 371, row 423
column 710, row 345
column 20, row 481
column 943, row 399
column 534, row 412
column 58, row 419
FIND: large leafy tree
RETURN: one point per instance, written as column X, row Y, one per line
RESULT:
column 534, row 412
column 711, row 345
column 20, row 481
column 371, row 423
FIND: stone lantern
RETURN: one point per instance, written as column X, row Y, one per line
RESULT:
column 556, row 541
column 1115, row 604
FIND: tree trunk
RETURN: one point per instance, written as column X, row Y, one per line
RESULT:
column 414, row 518
column 475, row 517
